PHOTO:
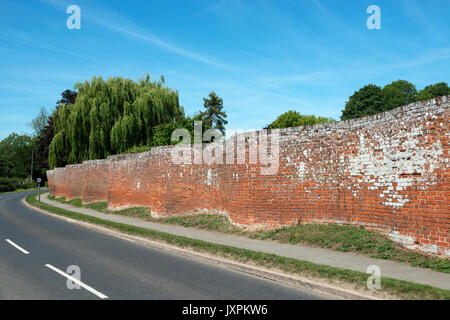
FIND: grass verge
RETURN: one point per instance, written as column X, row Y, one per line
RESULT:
column 332, row 236
column 357, row 280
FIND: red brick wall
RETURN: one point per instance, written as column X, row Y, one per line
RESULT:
column 388, row 172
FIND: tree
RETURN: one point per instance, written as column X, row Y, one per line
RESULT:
column 16, row 150
column 433, row 91
column 6, row 167
column 43, row 145
column 39, row 122
column 162, row 134
column 67, row 97
column 295, row 119
column 398, row 93
column 46, row 134
column 364, row 102
column 109, row 117
column 214, row 116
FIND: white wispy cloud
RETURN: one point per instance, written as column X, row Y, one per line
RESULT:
column 279, row 81
column 115, row 22
column 24, row 39
column 133, row 31
column 413, row 9
column 429, row 56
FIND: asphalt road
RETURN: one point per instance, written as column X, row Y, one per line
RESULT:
column 36, row 251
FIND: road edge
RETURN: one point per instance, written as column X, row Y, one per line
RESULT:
column 297, row 281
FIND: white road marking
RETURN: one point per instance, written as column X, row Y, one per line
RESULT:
column 83, row 285
column 17, row 247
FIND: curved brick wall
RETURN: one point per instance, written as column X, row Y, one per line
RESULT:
column 388, row 172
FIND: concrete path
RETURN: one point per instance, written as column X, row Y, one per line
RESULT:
column 344, row 260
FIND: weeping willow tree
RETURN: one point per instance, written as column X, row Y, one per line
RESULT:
column 109, row 117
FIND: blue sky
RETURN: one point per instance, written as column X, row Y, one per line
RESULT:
column 262, row 57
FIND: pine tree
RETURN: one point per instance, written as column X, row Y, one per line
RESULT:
column 214, row 116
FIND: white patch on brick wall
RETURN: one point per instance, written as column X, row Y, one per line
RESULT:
column 429, row 248
column 301, row 170
column 407, row 241
column 404, row 161
column 211, row 179
column 208, row 177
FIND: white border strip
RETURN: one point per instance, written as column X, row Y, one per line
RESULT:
column 17, row 247
column 85, row 286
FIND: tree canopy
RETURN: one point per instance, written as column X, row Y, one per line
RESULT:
column 109, row 117
column 364, row 102
column 371, row 99
column 15, row 155
column 295, row 119
column 397, row 94
column 39, row 122
column 214, row 116
column 433, row 91
column 6, row 167
column 67, row 97
column 44, row 133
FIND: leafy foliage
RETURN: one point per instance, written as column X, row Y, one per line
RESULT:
column 214, row 116
column 15, row 162
column 433, row 91
column 9, row 184
column 364, row 102
column 371, row 99
column 39, row 122
column 67, row 97
column 6, row 167
column 295, row 119
column 162, row 134
column 109, row 117
column 16, row 150
column 43, row 144
column 47, row 133
column 398, row 93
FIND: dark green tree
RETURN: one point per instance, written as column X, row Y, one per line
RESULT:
column 47, row 133
column 17, row 150
column 295, row 119
column 6, row 167
column 398, row 93
column 433, row 91
column 214, row 116
column 67, row 97
column 43, row 147
column 364, row 102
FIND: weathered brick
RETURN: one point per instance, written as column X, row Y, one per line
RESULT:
column 388, row 172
